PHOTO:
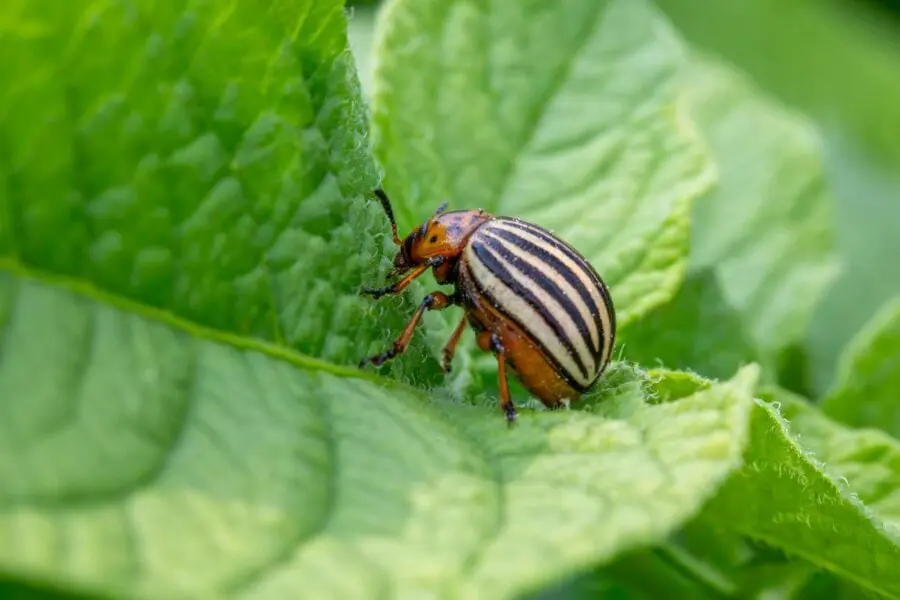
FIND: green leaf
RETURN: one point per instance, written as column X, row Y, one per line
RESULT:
column 865, row 393
column 767, row 227
column 785, row 497
column 757, row 570
column 360, row 33
column 826, row 586
column 697, row 330
column 779, row 581
column 836, row 61
column 210, row 162
column 867, row 213
column 703, row 560
column 188, row 462
column 732, row 564
column 762, row 248
column 581, row 130
column 666, row 571
column 867, row 459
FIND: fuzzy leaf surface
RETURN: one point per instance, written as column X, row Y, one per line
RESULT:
column 785, row 496
column 868, row 459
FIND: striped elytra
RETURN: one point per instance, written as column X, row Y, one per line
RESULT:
column 549, row 290
column 531, row 298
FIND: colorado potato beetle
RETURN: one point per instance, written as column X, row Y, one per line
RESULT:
column 533, row 300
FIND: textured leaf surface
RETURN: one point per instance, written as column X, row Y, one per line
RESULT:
column 868, row 459
column 247, row 471
column 140, row 153
column 181, row 207
column 821, row 494
column 784, row 496
column 581, row 131
column 866, row 392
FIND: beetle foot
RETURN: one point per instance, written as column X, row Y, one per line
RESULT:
column 380, row 359
column 511, row 415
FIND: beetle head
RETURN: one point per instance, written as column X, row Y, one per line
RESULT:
column 438, row 240
column 421, row 245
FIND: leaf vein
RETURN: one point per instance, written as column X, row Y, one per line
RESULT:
column 563, row 75
column 295, row 542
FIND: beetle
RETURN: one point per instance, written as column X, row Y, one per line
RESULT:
column 533, row 300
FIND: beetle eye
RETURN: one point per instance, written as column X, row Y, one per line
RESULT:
column 433, row 239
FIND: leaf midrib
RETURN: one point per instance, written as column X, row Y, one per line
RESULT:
column 91, row 291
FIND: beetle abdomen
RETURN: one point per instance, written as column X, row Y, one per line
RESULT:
column 549, row 290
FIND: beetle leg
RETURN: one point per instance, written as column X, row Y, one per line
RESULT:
column 488, row 341
column 484, row 341
column 450, row 348
column 397, row 287
column 433, row 301
column 506, row 403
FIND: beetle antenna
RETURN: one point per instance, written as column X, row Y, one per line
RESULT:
column 386, row 205
column 441, row 208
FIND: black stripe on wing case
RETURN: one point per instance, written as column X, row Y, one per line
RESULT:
column 515, row 286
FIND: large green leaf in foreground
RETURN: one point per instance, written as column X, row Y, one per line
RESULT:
column 147, row 450
column 819, row 495
column 566, row 114
column 188, row 463
column 178, row 222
